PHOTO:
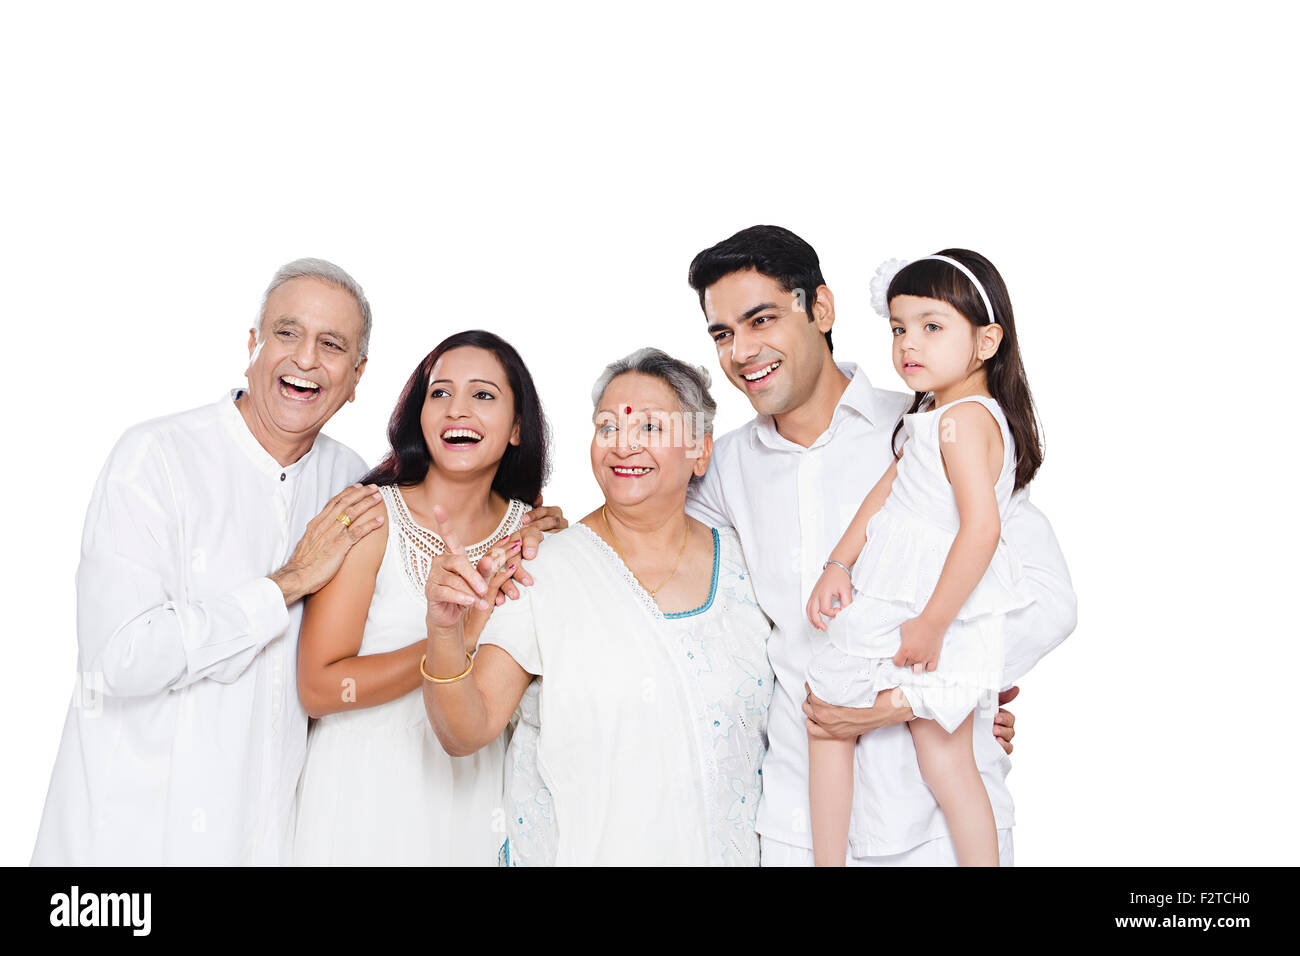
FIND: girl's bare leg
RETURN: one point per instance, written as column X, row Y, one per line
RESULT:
column 830, row 798
column 948, row 768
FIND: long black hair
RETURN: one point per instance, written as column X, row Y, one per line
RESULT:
column 1004, row 371
column 523, row 469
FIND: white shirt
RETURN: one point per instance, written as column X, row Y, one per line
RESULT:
column 790, row 506
column 185, row 736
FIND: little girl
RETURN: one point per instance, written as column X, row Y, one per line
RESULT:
column 934, row 580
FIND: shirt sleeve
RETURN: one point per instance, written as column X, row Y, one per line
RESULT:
column 512, row 628
column 704, row 500
column 136, row 627
column 1034, row 630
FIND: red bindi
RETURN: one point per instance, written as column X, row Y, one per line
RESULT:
column 627, row 409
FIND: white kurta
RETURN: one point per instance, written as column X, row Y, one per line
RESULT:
column 641, row 741
column 185, row 737
column 790, row 506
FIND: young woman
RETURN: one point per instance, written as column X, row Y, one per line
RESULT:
column 468, row 436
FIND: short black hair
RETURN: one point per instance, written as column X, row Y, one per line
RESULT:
column 771, row 250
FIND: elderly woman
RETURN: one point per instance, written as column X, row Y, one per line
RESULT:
column 637, row 661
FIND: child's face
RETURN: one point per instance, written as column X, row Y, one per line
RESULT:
column 935, row 346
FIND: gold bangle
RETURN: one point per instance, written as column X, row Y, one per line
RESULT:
column 447, row 680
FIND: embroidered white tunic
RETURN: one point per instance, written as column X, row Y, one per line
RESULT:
column 185, row 736
column 642, row 738
column 790, row 506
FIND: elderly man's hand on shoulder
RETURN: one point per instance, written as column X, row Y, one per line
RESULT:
column 348, row 517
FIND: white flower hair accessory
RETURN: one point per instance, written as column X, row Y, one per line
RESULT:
column 885, row 273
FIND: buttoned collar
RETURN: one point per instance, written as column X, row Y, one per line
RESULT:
column 251, row 447
column 859, row 398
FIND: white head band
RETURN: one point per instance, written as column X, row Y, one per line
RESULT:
column 892, row 267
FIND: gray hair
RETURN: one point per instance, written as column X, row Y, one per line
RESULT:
column 327, row 272
column 689, row 382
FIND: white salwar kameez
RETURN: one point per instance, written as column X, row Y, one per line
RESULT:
column 641, row 741
column 185, row 738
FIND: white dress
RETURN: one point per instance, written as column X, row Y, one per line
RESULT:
column 377, row 788
column 907, row 544
column 642, row 738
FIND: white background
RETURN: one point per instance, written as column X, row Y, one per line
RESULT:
column 548, row 171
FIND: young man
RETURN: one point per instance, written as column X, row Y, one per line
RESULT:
column 790, row 482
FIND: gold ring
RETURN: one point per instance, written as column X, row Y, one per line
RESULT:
column 345, row 520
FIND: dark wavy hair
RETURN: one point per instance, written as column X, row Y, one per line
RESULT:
column 773, row 251
column 1004, row 372
column 523, row 468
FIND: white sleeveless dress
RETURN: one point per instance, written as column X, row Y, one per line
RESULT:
column 377, row 789
column 907, row 544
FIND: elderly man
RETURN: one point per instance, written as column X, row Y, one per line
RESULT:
column 789, row 482
column 206, row 530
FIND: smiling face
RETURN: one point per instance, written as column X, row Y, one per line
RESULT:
column 468, row 418
column 936, row 348
column 767, row 347
column 305, row 363
column 642, row 451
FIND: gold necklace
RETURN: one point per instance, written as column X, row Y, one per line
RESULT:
column 651, row 591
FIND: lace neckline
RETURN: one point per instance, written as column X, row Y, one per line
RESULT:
column 638, row 590
column 419, row 545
